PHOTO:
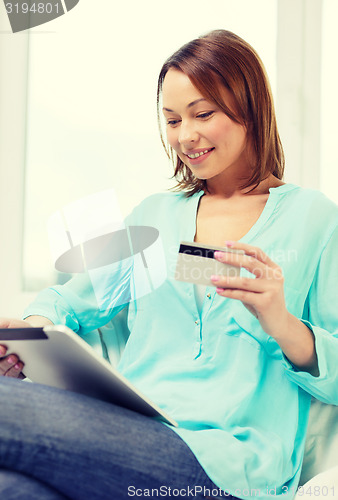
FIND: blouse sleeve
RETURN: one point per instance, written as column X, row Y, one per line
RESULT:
column 90, row 299
column 84, row 304
column 321, row 316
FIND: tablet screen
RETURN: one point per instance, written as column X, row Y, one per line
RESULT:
column 22, row 334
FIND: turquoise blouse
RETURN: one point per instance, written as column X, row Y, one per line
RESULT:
column 242, row 407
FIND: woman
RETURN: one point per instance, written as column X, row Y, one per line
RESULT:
column 235, row 363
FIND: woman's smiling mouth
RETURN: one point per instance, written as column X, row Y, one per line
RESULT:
column 198, row 154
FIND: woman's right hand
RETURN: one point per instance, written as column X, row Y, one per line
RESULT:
column 10, row 364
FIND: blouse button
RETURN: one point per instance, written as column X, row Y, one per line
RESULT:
column 209, row 295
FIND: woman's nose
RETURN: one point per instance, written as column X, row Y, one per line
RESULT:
column 188, row 133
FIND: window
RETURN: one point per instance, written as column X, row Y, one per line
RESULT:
column 91, row 121
column 329, row 109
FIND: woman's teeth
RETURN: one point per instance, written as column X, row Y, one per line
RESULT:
column 196, row 155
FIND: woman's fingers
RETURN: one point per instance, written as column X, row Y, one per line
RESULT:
column 15, row 370
column 242, row 283
column 8, row 361
column 3, row 350
column 252, row 251
column 13, row 323
column 262, row 294
column 253, row 265
column 256, row 262
column 11, row 366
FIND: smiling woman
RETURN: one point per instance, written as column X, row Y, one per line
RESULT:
column 226, row 95
column 199, row 130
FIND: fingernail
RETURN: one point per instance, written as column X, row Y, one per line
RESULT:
column 219, row 290
column 218, row 254
column 229, row 243
column 10, row 360
column 214, row 277
column 17, row 367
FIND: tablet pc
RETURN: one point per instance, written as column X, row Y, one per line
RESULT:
column 56, row 356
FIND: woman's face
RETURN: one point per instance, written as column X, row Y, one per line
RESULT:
column 203, row 136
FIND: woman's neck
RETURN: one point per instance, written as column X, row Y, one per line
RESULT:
column 232, row 189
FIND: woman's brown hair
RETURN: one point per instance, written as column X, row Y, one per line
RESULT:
column 221, row 58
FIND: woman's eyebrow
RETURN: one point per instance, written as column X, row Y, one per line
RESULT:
column 188, row 106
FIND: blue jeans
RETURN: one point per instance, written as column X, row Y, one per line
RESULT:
column 65, row 445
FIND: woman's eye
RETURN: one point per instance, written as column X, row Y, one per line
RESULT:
column 172, row 123
column 205, row 115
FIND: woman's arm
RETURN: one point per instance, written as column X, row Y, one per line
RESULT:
column 309, row 343
column 297, row 342
column 263, row 296
column 30, row 321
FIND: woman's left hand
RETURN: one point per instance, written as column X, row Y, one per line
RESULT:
column 10, row 365
column 263, row 295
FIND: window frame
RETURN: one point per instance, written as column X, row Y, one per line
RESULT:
column 14, row 52
column 298, row 103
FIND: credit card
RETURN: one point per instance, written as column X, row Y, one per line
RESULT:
column 196, row 263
